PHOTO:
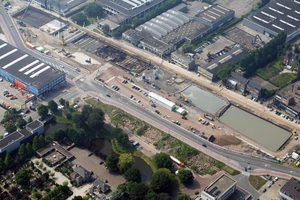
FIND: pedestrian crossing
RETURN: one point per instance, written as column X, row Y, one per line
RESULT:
column 61, row 68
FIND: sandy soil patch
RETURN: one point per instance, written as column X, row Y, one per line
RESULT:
column 81, row 58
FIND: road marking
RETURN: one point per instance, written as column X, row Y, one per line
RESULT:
column 110, row 79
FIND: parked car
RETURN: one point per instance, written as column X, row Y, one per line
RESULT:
column 204, row 145
column 76, row 106
column 101, row 163
column 107, row 95
column 157, row 111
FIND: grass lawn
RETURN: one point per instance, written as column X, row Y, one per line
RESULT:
column 278, row 63
column 97, row 30
column 283, row 79
column 267, row 72
column 226, row 168
column 91, row 20
column 256, row 181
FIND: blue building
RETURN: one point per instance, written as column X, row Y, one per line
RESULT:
column 28, row 72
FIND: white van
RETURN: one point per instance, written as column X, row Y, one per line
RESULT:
column 6, row 134
column 76, row 106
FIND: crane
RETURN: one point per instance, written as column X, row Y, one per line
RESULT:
column 184, row 99
column 63, row 42
column 156, row 74
column 21, row 21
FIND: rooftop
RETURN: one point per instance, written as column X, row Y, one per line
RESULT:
column 254, row 85
column 231, row 57
column 56, row 146
column 220, row 186
column 81, row 171
column 238, row 77
column 189, row 30
column 64, row 5
column 287, row 91
column 182, row 55
column 26, row 67
column 112, row 25
column 34, row 125
column 99, row 183
column 292, row 189
column 117, row 18
column 162, row 99
column 129, row 7
column 213, row 13
column 158, row 44
column 279, row 15
column 10, row 139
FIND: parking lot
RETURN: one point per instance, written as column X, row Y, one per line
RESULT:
column 15, row 103
column 271, row 192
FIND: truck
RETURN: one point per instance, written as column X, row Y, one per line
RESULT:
column 31, row 46
column 208, row 117
column 6, row 4
column 175, row 160
column 72, row 30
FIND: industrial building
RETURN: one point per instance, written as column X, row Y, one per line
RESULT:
column 276, row 16
column 15, row 139
column 161, row 101
column 291, row 190
column 186, row 61
column 166, row 32
column 288, row 99
column 59, row 6
column 28, row 72
column 129, row 9
column 231, row 57
column 220, row 189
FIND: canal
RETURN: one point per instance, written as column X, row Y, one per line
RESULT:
column 255, row 128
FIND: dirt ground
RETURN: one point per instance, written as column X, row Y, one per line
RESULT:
column 240, row 7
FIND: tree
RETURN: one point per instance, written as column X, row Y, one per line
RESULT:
column 42, row 141
column 21, row 123
column 295, row 65
column 62, row 101
column 112, row 162
column 187, row 47
column 2, row 165
column 133, row 175
column 39, row 182
column 35, row 143
column 79, row 18
column 86, row 111
column 96, row 119
column 10, row 128
column 67, row 104
column 22, row 177
column 151, row 196
column 161, row 181
column 58, row 135
column 42, row 110
column 125, row 162
column 52, row 105
column 182, row 196
column 79, row 121
column 224, row 71
column 22, row 151
column 7, row 116
column 94, row 10
column 77, row 198
column 29, row 150
column 117, row 195
column 74, row 136
column 163, row 160
column 163, row 196
column 139, row 191
column 29, row 120
column 14, row 191
column 185, row 176
column 105, row 29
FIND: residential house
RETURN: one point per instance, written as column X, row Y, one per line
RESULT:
column 81, row 175
column 99, row 187
column 288, row 99
column 254, row 89
column 291, row 56
column 237, row 82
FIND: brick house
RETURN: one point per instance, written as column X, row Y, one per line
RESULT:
column 81, row 175
column 291, row 56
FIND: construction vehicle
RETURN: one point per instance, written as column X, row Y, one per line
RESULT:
column 175, row 160
column 156, row 74
column 131, row 80
column 183, row 97
column 200, row 119
column 31, row 46
column 153, row 105
column 72, row 30
column 257, row 36
column 208, row 117
column 13, row 97
column 6, row 4
column 21, row 23
column 88, row 61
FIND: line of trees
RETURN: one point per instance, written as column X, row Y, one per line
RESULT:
column 91, row 10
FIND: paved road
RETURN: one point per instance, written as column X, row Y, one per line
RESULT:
column 16, row 40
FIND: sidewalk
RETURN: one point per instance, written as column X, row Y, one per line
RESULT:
column 278, row 174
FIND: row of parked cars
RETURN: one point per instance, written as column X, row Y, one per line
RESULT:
column 284, row 116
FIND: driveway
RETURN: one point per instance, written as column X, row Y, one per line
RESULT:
column 91, row 163
column 242, row 181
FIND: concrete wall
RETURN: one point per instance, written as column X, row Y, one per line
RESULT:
column 223, row 21
column 258, row 28
column 12, row 146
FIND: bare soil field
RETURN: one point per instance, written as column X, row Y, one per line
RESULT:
column 240, row 7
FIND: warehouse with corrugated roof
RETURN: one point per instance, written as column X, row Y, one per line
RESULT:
column 28, row 72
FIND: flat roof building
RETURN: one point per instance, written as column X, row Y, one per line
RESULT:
column 28, row 72
column 161, row 101
column 186, row 61
column 291, row 190
column 220, row 189
column 64, row 5
column 231, row 57
column 276, row 16
column 129, row 8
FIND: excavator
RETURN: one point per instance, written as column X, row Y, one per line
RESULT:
column 21, row 23
column 183, row 97
column 63, row 42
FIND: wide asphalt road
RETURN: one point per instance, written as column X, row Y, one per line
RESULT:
column 13, row 36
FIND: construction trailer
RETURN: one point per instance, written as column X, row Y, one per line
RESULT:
column 161, row 101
